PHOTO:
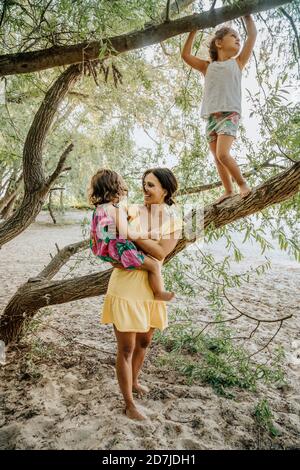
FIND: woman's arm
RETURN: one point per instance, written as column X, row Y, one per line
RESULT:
column 245, row 54
column 152, row 248
column 161, row 249
column 190, row 59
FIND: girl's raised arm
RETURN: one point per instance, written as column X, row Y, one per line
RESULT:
column 190, row 59
column 245, row 54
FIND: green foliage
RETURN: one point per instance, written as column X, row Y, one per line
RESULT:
column 36, row 25
column 152, row 119
column 264, row 417
column 213, row 354
column 215, row 359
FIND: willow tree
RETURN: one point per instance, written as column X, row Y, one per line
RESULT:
column 49, row 42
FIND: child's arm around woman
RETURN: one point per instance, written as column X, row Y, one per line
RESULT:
column 125, row 231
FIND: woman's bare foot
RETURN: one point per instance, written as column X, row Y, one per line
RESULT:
column 164, row 295
column 244, row 190
column 132, row 413
column 140, row 389
column 224, row 196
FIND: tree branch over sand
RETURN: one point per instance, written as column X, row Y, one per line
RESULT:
column 217, row 184
column 36, row 185
column 32, row 296
column 34, row 61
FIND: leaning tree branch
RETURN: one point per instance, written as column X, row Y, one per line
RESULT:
column 36, row 186
column 66, row 168
column 43, row 119
column 60, row 259
column 60, row 166
column 167, row 20
column 55, row 56
column 216, row 184
column 213, row 4
column 3, row 12
column 276, row 189
column 32, row 296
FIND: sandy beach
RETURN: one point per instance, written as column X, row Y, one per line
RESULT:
column 59, row 390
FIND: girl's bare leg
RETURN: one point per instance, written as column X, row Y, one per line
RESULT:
column 156, row 280
column 126, row 345
column 142, row 342
column 223, row 173
column 224, row 143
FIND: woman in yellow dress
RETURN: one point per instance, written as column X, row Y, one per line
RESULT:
column 129, row 302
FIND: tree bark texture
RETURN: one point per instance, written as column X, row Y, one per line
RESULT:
column 36, row 185
column 26, row 62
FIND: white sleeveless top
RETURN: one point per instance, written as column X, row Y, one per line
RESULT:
column 222, row 88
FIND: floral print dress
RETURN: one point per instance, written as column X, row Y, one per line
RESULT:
column 106, row 243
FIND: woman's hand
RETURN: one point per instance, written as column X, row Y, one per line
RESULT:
column 117, row 265
column 120, row 266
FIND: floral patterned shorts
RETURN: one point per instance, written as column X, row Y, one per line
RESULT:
column 222, row 123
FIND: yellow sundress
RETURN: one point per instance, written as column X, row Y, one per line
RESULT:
column 129, row 302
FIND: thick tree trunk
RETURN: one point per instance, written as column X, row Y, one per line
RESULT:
column 33, row 295
column 27, row 62
column 36, row 185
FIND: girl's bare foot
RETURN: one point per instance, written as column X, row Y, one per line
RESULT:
column 164, row 295
column 224, row 196
column 140, row 389
column 132, row 413
column 244, row 190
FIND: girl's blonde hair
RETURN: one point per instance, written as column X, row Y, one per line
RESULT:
column 105, row 186
column 219, row 34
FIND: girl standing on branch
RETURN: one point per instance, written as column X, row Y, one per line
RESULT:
column 221, row 104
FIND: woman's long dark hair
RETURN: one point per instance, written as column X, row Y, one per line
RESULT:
column 167, row 180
